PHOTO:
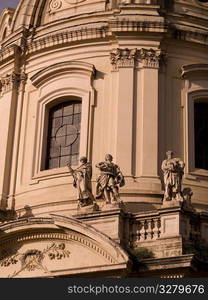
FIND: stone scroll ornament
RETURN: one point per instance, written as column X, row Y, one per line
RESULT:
column 173, row 169
column 82, row 182
column 109, row 181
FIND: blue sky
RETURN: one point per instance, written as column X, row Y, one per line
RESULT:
column 8, row 3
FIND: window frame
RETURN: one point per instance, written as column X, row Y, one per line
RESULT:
column 194, row 97
column 68, row 80
column 195, row 87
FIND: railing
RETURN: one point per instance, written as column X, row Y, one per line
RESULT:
column 147, row 230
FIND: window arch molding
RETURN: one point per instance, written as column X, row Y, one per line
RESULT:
column 195, row 89
column 61, row 82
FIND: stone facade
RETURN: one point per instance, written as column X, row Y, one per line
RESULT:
column 137, row 67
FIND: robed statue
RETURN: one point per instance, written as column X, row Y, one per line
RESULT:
column 109, row 181
column 82, row 182
column 173, row 169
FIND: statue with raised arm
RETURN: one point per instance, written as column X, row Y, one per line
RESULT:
column 109, row 181
column 82, row 182
column 173, row 169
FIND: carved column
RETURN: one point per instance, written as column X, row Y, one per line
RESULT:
column 8, row 103
column 123, row 61
column 149, row 60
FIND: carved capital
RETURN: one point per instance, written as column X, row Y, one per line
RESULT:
column 9, row 82
column 12, row 81
column 144, row 58
column 123, row 58
column 150, row 58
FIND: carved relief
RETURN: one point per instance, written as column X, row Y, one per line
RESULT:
column 55, row 5
column 12, row 81
column 33, row 258
column 150, row 57
column 9, row 81
column 123, row 58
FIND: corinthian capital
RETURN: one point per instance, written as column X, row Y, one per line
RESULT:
column 123, row 58
column 150, row 58
column 144, row 58
column 9, row 82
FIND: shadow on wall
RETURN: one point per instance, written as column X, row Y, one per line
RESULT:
column 27, row 213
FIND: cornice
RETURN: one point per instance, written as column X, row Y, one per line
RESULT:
column 9, row 53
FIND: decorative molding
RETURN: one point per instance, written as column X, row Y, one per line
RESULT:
column 33, row 259
column 8, row 53
column 150, row 58
column 86, row 242
column 123, row 58
column 187, row 70
column 67, row 66
column 127, row 58
column 55, row 5
column 9, row 82
column 12, row 81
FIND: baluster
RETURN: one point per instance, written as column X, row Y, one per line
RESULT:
column 149, row 229
column 142, row 231
column 156, row 228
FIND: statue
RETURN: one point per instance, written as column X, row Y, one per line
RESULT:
column 187, row 194
column 109, row 181
column 173, row 169
column 82, row 182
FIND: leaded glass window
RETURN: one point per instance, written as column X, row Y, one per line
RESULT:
column 201, row 135
column 64, row 134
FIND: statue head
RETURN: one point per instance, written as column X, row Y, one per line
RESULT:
column 83, row 159
column 108, row 157
column 169, row 154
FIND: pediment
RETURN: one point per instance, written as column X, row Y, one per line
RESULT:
column 56, row 246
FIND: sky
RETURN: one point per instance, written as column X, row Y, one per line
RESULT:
column 8, row 3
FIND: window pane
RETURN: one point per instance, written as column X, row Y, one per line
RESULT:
column 201, row 135
column 57, row 113
column 64, row 161
column 77, row 108
column 75, row 147
column 57, row 122
column 68, row 110
column 53, row 163
column 68, row 120
column 65, row 151
column 71, row 130
column 77, row 119
column 55, row 152
column 61, row 131
column 74, row 160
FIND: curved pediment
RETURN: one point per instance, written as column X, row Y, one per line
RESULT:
column 56, row 246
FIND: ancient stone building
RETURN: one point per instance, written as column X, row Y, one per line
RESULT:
column 91, row 77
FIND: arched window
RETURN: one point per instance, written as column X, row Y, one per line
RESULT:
column 63, row 134
column 201, row 134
